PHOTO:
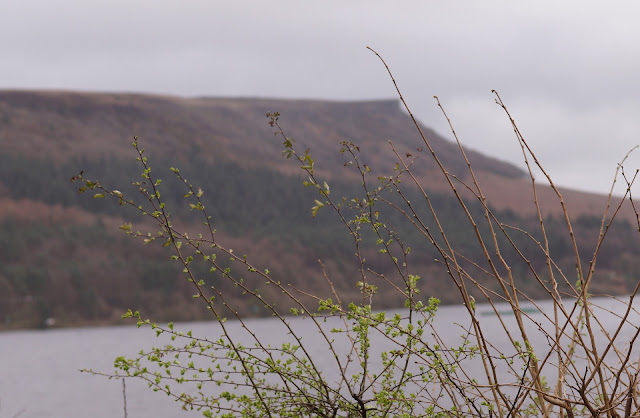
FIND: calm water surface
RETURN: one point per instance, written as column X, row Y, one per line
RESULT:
column 40, row 377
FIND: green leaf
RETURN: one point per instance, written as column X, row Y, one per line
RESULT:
column 314, row 210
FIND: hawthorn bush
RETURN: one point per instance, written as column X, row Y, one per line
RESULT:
column 570, row 355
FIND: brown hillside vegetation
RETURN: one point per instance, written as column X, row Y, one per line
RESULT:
column 62, row 125
column 61, row 254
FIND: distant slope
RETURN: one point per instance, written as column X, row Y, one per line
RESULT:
column 63, row 125
column 61, row 254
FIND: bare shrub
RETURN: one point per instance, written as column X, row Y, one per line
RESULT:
column 570, row 355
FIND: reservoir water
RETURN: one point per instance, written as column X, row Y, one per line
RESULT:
column 40, row 377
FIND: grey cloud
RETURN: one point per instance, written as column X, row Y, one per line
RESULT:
column 556, row 63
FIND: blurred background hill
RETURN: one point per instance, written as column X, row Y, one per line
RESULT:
column 62, row 255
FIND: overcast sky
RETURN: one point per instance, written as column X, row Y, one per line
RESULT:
column 569, row 71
